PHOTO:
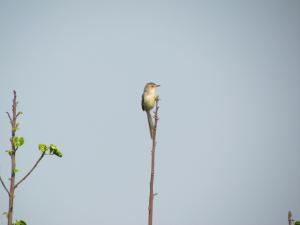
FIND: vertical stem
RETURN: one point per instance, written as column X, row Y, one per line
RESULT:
column 13, row 161
column 11, row 190
column 151, row 194
column 290, row 218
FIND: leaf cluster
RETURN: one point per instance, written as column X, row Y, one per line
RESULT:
column 18, row 141
column 51, row 150
column 20, row 222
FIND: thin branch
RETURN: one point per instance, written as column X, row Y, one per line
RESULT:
column 10, row 119
column 30, row 171
column 151, row 195
column 19, row 113
column 3, row 184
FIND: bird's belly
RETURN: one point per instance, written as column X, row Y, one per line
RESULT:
column 149, row 102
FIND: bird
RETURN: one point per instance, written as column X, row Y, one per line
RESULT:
column 148, row 102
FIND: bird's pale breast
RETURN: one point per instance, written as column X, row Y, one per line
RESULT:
column 149, row 101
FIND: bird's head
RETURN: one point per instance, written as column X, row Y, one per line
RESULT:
column 151, row 87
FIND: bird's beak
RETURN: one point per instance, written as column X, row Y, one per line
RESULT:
column 157, row 85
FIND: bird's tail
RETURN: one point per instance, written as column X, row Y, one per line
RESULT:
column 150, row 122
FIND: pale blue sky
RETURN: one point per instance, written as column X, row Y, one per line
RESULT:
column 228, row 137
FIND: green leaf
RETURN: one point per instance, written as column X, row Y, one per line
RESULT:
column 18, row 141
column 16, row 170
column 58, row 153
column 43, row 148
column 297, row 222
column 15, row 140
column 54, row 149
column 20, row 222
column 21, row 141
column 10, row 151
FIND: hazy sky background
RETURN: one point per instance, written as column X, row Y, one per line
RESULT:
column 229, row 131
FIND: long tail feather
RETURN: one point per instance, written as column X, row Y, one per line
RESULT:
column 150, row 122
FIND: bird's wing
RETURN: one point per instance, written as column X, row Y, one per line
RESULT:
column 143, row 103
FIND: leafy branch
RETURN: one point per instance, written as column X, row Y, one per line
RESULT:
column 16, row 142
column 53, row 150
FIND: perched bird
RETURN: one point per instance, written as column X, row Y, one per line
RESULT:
column 148, row 102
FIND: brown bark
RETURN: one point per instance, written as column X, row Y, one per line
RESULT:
column 13, row 121
column 151, row 194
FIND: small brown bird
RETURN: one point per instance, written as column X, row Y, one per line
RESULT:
column 148, row 102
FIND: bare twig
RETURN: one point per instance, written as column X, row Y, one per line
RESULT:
column 10, row 119
column 19, row 113
column 4, row 186
column 151, row 195
column 30, row 171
